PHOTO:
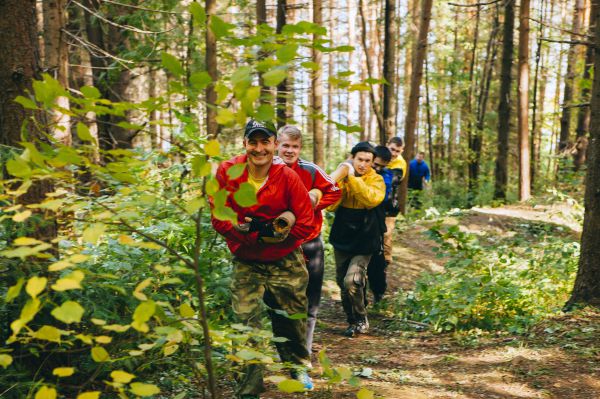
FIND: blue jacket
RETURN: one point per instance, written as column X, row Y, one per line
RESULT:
column 417, row 171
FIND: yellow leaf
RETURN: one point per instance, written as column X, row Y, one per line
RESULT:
column 48, row 333
column 364, row 393
column 149, row 245
column 142, row 314
column 69, row 312
column 98, row 322
column 60, row 265
column 122, row 376
column 186, row 310
column 20, row 217
column 45, row 393
column 5, row 360
column 142, row 389
column 35, row 285
column 86, row 339
column 140, row 287
column 103, row 339
column 69, row 282
column 116, row 327
column 162, row 269
column 99, row 354
column 89, row 395
column 93, row 233
column 291, row 386
column 26, row 241
column 14, row 290
column 63, row 371
column 27, row 313
column 212, row 148
column 170, row 349
column 78, row 258
column 126, row 240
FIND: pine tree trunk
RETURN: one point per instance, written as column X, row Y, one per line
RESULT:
column 389, row 73
column 501, row 171
column 587, row 282
column 523, row 99
column 330, row 72
column 212, row 128
column 317, row 92
column 420, row 52
column 565, row 120
column 535, row 123
column 281, row 87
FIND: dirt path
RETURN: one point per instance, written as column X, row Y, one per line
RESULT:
column 399, row 362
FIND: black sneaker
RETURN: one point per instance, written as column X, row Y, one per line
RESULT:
column 350, row 331
column 362, row 327
column 249, row 397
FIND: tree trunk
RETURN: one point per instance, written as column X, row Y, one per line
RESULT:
column 535, row 123
column 584, row 113
column 317, row 92
column 330, row 72
column 282, row 88
column 212, row 128
column 428, row 117
column 420, row 52
column 472, row 159
column 56, row 63
column 501, row 171
column 587, row 282
column 389, row 73
column 523, row 99
column 565, row 120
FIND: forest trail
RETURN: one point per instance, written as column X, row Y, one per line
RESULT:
column 400, row 362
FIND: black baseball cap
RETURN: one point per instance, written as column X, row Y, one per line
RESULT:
column 363, row 146
column 254, row 126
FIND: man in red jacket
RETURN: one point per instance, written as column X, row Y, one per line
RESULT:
column 323, row 192
column 268, row 265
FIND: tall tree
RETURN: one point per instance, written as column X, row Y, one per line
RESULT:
column 565, row 120
column 537, row 110
column 317, row 92
column 56, row 62
column 501, row 171
column 389, row 72
column 282, row 87
column 211, row 67
column 584, row 114
column 420, row 51
column 523, row 99
column 587, row 282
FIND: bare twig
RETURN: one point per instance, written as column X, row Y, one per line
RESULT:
column 483, row 4
column 582, row 42
column 570, row 32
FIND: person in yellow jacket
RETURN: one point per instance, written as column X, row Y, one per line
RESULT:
column 399, row 169
column 357, row 231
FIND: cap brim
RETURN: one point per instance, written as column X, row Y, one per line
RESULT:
column 259, row 130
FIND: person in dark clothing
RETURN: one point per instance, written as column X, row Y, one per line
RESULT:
column 418, row 177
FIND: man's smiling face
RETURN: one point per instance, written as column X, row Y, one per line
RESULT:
column 260, row 148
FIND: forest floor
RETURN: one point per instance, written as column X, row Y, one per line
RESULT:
column 559, row 358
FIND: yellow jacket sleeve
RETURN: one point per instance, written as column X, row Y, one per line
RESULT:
column 368, row 191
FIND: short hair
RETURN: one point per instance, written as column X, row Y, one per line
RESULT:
column 396, row 140
column 291, row 131
column 421, row 153
column 384, row 153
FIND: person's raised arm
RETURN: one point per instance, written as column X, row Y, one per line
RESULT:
column 368, row 194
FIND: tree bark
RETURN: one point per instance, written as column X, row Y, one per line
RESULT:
column 584, row 113
column 317, row 92
column 535, row 123
column 501, row 171
column 420, row 52
column 212, row 128
column 565, row 120
column 523, row 99
column 282, row 88
column 587, row 282
column 472, row 159
column 389, row 73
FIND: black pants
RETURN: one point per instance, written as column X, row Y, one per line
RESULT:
column 315, row 263
column 376, row 274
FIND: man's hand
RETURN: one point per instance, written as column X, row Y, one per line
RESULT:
column 344, row 169
column 315, row 196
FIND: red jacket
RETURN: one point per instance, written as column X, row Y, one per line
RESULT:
column 282, row 191
column 314, row 177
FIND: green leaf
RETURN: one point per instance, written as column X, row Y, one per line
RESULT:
column 236, row 170
column 265, row 112
column 219, row 27
column 5, row 360
column 172, row 64
column 200, row 80
column 287, row 53
column 18, row 167
column 291, row 386
column 83, row 132
column 142, row 389
column 274, row 76
column 185, row 310
column 246, row 195
column 222, row 211
column 69, row 312
column 90, row 92
column 27, row 103
column 313, row 66
column 364, row 393
column 344, row 49
column 198, row 13
column 225, row 116
column 100, row 355
column 242, row 75
column 93, row 233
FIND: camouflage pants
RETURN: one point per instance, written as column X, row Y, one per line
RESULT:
column 388, row 237
column 281, row 285
column 351, row 277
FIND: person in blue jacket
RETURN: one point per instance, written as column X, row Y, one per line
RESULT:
column 418, row 177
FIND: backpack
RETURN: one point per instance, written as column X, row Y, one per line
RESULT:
column 392, row 203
